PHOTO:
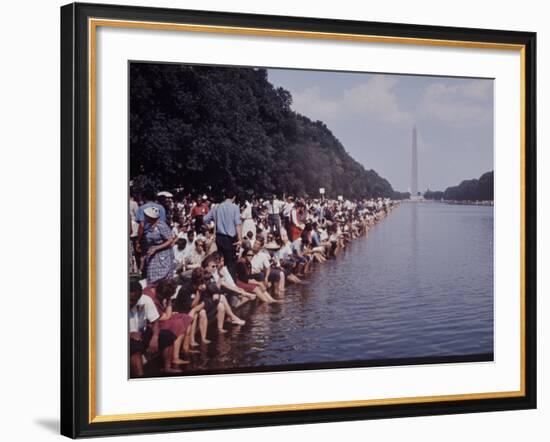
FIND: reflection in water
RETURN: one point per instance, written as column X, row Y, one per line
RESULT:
column 420, row 285
column 414, row 227
column 414, row 244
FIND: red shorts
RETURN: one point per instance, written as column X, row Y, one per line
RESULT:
column 247, row 287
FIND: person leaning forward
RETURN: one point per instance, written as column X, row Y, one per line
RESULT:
column 227, row 219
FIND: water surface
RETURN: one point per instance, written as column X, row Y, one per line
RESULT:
column 420, row 285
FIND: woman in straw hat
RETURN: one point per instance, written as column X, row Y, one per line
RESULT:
column 159, row 256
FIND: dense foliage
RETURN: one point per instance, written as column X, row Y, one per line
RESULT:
column 433, row 194
column 207, row 129
column 401, row 195
column 468, row 190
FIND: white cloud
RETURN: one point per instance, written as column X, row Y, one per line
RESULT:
column 310, row 103
column 375, row 99
column 458, row 105
column 464, row 105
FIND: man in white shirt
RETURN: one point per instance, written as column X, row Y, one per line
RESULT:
column 274, row 211
column 288, row 206
column 262, row 270
column 261, row 262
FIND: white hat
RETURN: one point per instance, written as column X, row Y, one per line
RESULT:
column 152, row 212
column 204, row 197
column 166, row 194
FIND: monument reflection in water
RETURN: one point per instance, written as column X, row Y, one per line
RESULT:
column 420, row 286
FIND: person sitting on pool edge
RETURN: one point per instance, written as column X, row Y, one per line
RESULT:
column 146, row 337
column 225, row 282
column 262, row 270
column 246, row 282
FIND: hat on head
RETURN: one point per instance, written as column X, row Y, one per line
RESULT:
column 152, row 212
column 204, row 197
column 165, row 194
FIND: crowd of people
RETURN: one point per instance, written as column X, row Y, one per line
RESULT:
column 195, row 262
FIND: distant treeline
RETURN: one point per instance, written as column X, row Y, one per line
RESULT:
column 207, row 129
column 468, row 190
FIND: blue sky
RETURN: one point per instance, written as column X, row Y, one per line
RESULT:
column 373, row 115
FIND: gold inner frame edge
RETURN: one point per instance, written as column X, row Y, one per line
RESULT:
column 93, row 23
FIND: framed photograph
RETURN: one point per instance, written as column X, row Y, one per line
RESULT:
column 274, row 220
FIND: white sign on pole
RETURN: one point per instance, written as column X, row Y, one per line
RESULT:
column 322, row 190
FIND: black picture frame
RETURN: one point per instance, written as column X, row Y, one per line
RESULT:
column 77, row 415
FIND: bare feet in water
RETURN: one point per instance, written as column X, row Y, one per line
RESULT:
column 191, row 351
column 276, row 301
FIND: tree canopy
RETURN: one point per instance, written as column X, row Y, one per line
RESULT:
column 206, row 129
column 468, row 190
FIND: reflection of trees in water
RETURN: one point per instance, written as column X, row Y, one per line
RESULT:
column 401, row 292
column 393, row 294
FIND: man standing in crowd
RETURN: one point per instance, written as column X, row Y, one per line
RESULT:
column 286, row 212
column 274, row 209
column 227, row 219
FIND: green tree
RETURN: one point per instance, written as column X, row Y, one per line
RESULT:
column 209, row 128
